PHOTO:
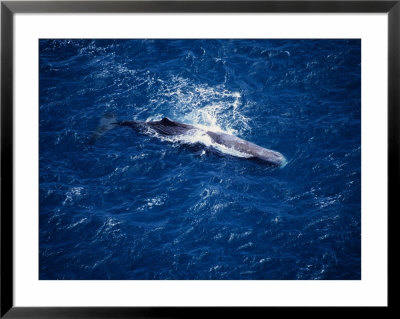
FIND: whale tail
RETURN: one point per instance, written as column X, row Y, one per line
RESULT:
column 106, row 123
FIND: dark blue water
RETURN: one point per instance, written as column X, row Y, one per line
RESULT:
column 134, row 206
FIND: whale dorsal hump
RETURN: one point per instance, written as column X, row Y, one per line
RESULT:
column 166, row 121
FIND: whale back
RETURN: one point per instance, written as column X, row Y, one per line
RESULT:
column 168, row 127
column 248, row 148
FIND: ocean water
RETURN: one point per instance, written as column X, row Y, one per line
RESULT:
column 134, row 206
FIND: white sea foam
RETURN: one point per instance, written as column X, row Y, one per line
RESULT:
column 77, row 223
column 215, row 107
column 210, row 108
column 73, row 194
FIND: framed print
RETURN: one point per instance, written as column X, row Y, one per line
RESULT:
column 165, row 157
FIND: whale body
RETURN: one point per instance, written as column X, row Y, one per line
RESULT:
column 167, row 127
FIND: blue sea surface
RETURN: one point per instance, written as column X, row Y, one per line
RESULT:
column 135, row 206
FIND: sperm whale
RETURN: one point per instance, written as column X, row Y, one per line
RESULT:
column 167, row 127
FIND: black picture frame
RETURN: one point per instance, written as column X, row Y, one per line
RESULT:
column 9, row 8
